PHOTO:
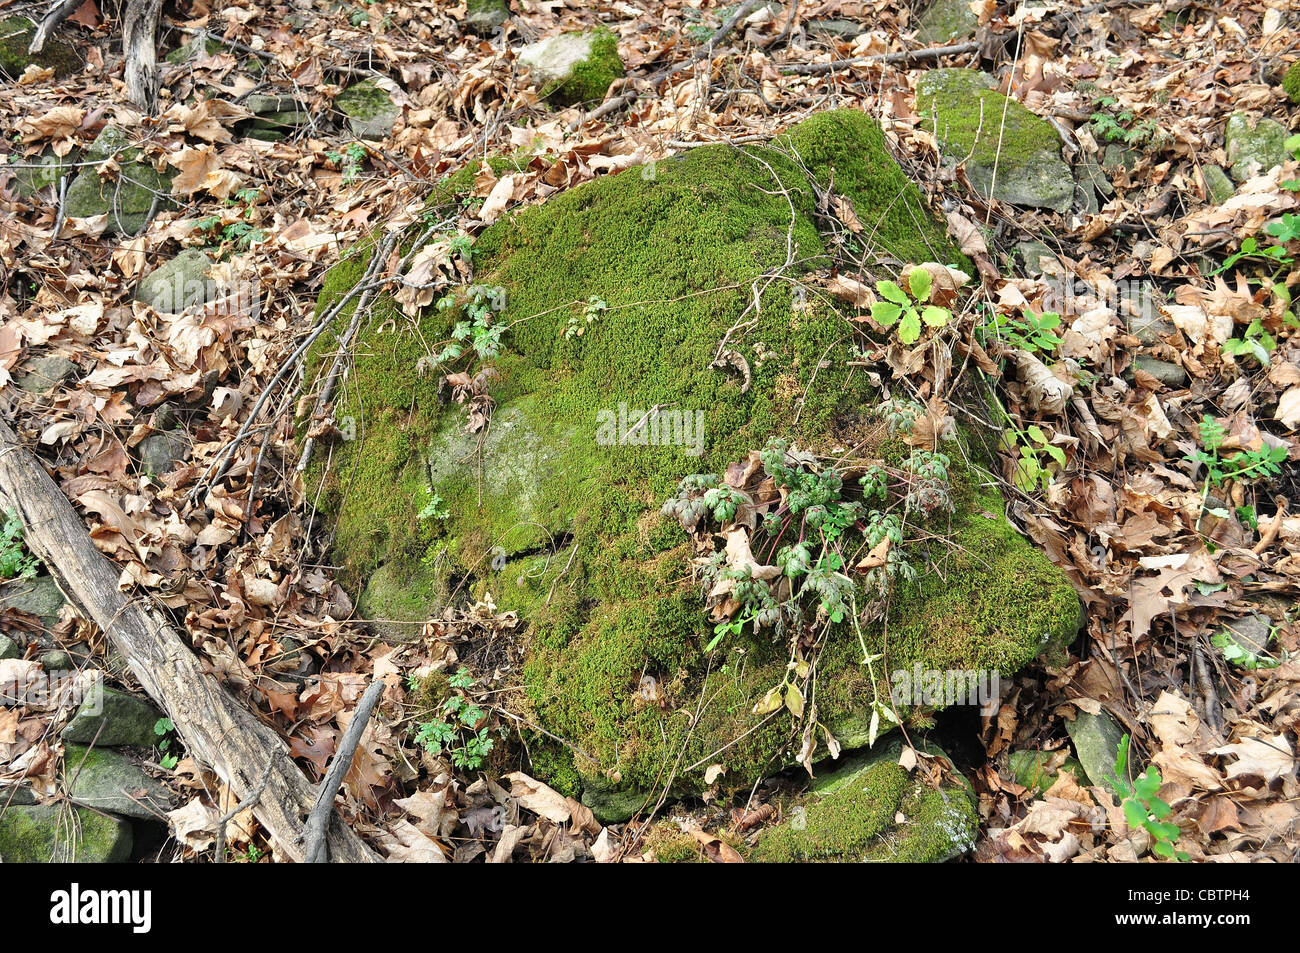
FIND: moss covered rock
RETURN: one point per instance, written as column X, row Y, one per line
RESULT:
column 872, row 810
column 108, row 718
column 369, row 108
column 1254, row 147
column 574, row 67
column 1291, row 82
column 1010, row 153
column 59, row 833
column 564, row 527
column 129, row 196
column 16, row 35
column 107, row 781
column 484, row 17
column 946, row 20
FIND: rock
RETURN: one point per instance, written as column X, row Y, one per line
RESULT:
column 1171, row 375
column 291, row 119
column 370, row 110
column 1090, row 173
column 1117, row 157
column 574, row 67
column 945, row 21
column 264, row 135
column 563, row 525
column 41, row 172
column 1148, row 326
column 1038, row 258
column 17, row 794
column 40, row 596
column 9, row 648
column 160, row 453
column 613, row 804
column 1217, row 182
column 1030, row 769
column 56, row 660
column 872, row 810
column 485, row 17
column 263, row 104
column 1250, row 635
column 192, row 49
column 178, row 284
column 42, row 375
column 128, row 200
column 835, row 29
column 16, row 35
column 108, row 718
column 1096, row 742
column 1254, row 149
column 107, row 781
column 1027, row 161
column 1291, row 82
column 57, row 833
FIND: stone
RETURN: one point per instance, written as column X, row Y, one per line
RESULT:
column 1148, row 326
column 1256, row 148
column 835, row 29
column 872, row 810
column 193, row 48
column 109, row 718
column 1023, row 166
column 1096, row 741
column 16, row 35
column 1291, row 82
column 42, row 375
column 129, row 199
column 1117, row 157
column 43, row 171
column 946, row 20
column 370, row 110
column 563, row 526
column 262, row 104
column 1173, row 376
column 160, row 453
column 573, row 68
column 484, row 17
column 1030, row 769
column 265, row 135
column 56, row 660
column 1250, row 635
column 17, row 794
column 40, row 596
column 9, row 648
column 179, row 284
column 1038, row 258
column 107, row 781
column 1217, row 182
column 291, row 119
column 58, row 833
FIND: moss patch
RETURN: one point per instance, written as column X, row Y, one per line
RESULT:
column 566, row 80
column 16, row 35
column 54, row 833
column 1291, row 82
column 566, row 531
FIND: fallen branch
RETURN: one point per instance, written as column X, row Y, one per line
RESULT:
column 906, row 56
column 218, row 730
column 140, row 41
column 60, row 11
column 314, row 832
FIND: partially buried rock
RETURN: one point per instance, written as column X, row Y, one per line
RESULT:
column 39, row 595
column 1096, row 741
column 370, row 110
column 108, row 718
column 16, row 35
column 127, row 198
column 61, row 833
column 1254, row 147
column 946, row 20
column 1010, row 153
column 1217, row 182
column 107, row 781
column 178, row 284
column 42, row 375
column 161, row 452
column 485, row 17
column 574, row 67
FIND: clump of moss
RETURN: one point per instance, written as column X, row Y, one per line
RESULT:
column 590, row 79
column 672, row 845
column 1291, row 82
column 16, row 35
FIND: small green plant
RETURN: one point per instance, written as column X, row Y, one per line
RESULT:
column 1031, row 332
column 1033, row 446
column 1121, row 126
column 1244, row 655
column 1254, row 342
column 577, row 326
column 241, row 232
column 477, row 329
column 1142, row 806
column 1292, row 145
column 1242, row 465
column 165, row 731
column 910, row 313
column 15, row 562
column 432, row 508
column 459, row 732
column 350, row 161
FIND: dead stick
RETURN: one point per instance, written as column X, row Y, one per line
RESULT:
column 906, row 56
column 314, row 830
column 218, row 730
column 59, row 12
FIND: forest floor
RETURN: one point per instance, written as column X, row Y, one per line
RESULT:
column 1168, row 553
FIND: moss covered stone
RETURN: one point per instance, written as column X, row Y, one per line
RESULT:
column 566, row 530
column 1291, row 82
column 1010, row 153
column 484, row 17
column 946, row 20
column 1254, row 146
column 129, row 196
column 60, row 833
column 574, row 67
column 16, row 35
column 872, row 810
column 370, row 110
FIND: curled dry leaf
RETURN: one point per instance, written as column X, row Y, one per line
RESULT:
column 1044, row 391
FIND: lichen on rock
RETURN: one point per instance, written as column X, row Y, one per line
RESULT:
column 129, row 196
column 574, row 67
column 369, row 108
column 1010, row 153
column 564, row 528
column 1254, row 146
column 946, row 20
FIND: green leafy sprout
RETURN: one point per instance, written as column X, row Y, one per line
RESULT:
column 910, row 313
column 15, row 561
column 1142, row 806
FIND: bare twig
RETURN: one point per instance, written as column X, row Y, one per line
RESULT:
column 57, row 13
column 905, row 56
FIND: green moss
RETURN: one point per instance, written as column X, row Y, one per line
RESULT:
column 971, row 118
column 365, row 100
column 16, row 35
column 672, row 845
column 946, row 20
column 565, row 530
column 1291, row 82
column 57, row 833
column 591, row 78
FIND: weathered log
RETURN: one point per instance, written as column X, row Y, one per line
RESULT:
column 140, row 41
column 218, row 730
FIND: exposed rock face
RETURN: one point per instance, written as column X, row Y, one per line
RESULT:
column 564, row 527
column 574, row 67
column 40, row 596
column 1010, row 153
column 1253, row 149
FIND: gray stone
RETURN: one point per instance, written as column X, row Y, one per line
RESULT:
column 1090, row 173
column 1217, row 181
column 42, row 171
column 1171, row 375
column 262, row 104
column 59, row 833
column 179, row 284
column 1148, row 327
column 1029, row 769
column 1251, row 634
column 107, row 781
column 370, row 110
column 1096, row 742
column 129, row 198
column 836, row 29
column 1253, row 149
column 17, row 794
column 9, row 648
column 1117, row 157
column 160, row 453
column 573, row 67
column 946, row 20
column 284, row 121
column 56, row 660
column 42, row 374
column 108, row 718
column 40, row 596
column 1038, row 258
column 484, row 17
column 1010, row 153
